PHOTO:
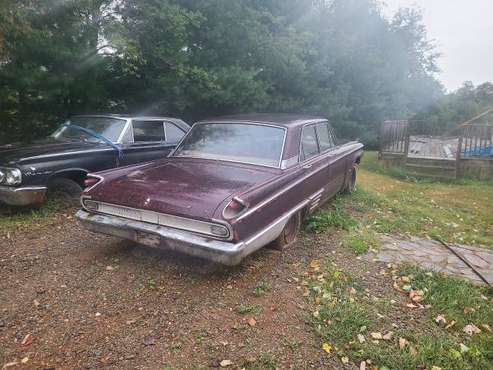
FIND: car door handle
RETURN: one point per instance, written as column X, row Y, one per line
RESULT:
column 307, row 166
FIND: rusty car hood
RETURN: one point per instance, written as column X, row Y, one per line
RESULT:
column 183, row 187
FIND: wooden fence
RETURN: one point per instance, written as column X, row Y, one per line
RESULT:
column 476, row 141
column 394, row 137
column 467, row 151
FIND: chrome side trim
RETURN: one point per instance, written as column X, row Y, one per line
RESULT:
column 282, row 191
column 101, row 179
column 27, row 188
column 68, row 153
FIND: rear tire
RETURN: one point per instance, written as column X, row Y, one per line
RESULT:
column 65, row 189
column 351, row 185
column 289, row 234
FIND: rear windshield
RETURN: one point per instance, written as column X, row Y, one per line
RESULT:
column 245, row 143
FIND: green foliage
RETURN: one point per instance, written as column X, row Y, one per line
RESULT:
column 340, row 58
column 458, row 107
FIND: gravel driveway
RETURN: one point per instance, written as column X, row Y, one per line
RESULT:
column 70, row 299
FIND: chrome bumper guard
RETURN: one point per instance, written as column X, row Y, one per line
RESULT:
column 163, row 237
column 23, row 196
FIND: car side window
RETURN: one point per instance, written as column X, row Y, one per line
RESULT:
column 148, row 131
column 173, row 132
column 325, row 136
column 309, row 145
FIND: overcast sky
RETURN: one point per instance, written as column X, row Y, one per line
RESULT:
column 463, row 32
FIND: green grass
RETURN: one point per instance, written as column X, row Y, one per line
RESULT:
column 14, row 217
column 245, row 309
column 456, row 213
column 449, row 296
column 360, row 240
column 342, row 312
column 261, row 288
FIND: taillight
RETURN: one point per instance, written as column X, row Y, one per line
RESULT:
column 234, row 208
column 91, row 181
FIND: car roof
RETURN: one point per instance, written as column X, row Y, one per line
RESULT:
column 136, row 117
column 278, row 119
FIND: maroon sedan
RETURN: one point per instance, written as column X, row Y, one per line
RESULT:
column 233, row 185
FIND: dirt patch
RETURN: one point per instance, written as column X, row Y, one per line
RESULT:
column 88, row 301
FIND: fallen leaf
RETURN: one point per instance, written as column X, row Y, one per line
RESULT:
column 469, row 310
column 252, row 322
column 10, row 364
column 28, row 339
column 109, row 268
column 388, row 336
column 344, row 360
column 36, row 303
column 315, row 265
column 327, row 347
column 375, row 335
column 405, row 279
column 362, row 366
column 361, row 338
column 413, row 351
column 471, row 329
column 441, row 320
column 226, row 363
column 452, row 323
column 416, row 295
column 402, row 343
column 410, row 305
column 25, row 360
column 397, row 287
column 436, row 368
column 487, row 327
column 352, row 291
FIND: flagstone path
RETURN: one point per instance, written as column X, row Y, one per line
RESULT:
column 432, row 255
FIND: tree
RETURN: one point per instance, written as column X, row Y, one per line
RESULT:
column 336, row 58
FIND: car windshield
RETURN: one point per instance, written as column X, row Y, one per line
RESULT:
column 246, row 143
column 109, row 128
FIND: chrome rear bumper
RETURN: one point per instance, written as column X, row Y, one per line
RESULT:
column 24, row 196
column 162, row 237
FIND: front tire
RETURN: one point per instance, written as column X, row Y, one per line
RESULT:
column 64, row 188
column 289, row 234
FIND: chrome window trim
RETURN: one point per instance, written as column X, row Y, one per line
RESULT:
column 127, row 127
column 331, row 131
column 172, row 154
column 118, row 141
column 163, row 121
column 178, row 218
column 301, row 154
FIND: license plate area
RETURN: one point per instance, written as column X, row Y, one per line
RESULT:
column 151, row 240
